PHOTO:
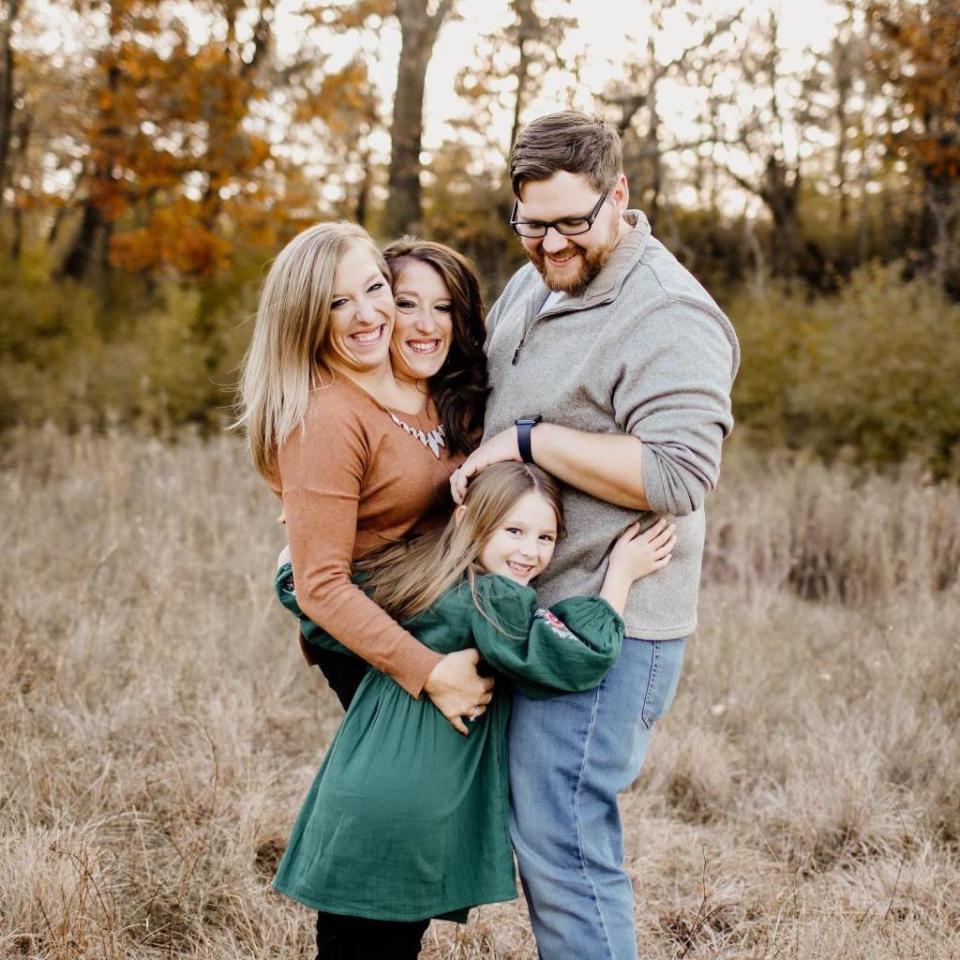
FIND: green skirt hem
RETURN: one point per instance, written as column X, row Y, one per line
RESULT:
column 457, row 911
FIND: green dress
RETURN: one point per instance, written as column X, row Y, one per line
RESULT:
column 406, row 818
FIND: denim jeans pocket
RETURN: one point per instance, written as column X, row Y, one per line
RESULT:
column 666, row 663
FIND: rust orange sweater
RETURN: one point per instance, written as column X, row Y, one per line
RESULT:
column 353, row 480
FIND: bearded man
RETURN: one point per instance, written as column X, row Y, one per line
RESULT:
column 611, row 368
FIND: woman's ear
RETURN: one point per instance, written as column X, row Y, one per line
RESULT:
column 459, row 514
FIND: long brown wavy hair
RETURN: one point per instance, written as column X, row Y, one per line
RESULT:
column 459, row 389
column 407, row 578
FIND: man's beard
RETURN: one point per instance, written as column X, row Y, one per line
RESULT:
column 588, row 264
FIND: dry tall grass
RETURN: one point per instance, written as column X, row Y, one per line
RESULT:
column 159, row 726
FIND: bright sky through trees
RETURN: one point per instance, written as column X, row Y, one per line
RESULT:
column 606, row 34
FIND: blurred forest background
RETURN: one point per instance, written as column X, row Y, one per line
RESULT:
column 155, row 155
column 159, row 726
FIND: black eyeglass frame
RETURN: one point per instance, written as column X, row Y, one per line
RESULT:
column 547, row 224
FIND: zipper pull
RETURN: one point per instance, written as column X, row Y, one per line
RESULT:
column 516, row 353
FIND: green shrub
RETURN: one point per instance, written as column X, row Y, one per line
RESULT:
column 155, row 359
column 870, row 374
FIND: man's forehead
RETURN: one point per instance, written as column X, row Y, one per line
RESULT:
column 563, row 191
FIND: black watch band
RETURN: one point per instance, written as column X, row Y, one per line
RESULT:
column 525, row 426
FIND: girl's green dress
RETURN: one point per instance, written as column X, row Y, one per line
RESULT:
column 406, row 818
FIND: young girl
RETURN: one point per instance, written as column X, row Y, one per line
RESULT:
column 407, row 819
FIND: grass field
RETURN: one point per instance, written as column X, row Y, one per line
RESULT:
column 159, row 728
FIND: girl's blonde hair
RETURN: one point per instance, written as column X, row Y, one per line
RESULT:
column 290, row 335
column 407, row 578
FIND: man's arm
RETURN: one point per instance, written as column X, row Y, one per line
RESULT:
column 672, row 404
column 608, row 466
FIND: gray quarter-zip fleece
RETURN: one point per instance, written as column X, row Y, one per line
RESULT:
column 644, row 350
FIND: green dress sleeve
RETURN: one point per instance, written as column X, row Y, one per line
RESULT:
column 545, row 652
column 283, row 584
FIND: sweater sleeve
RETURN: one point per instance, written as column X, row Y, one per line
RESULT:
column 283, row 585
column 321, row 467
column 678, row 403
column 545, row 652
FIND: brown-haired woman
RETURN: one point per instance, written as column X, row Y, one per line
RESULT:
column 438, row 340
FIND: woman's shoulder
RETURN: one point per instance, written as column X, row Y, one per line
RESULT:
column 333, row 433
column 334, row 394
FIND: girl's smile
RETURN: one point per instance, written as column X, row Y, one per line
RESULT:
column 522, row 545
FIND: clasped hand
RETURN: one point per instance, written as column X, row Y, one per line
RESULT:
column 457, row 690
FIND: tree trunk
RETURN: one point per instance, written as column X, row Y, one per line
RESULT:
column 528, row 27
column 361, row 210
column 419, row 32
column 11, row 9
column 90, row 244
column 781, row 194
column 652, row 146
column 87, row 242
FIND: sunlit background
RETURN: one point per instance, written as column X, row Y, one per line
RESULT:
column 801, row 159
column 159, row 728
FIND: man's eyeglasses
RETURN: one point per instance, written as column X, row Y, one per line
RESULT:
column 567, row 227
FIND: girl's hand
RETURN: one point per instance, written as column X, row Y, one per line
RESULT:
column 637, row 554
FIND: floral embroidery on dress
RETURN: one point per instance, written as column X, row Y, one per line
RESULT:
column 555, row 623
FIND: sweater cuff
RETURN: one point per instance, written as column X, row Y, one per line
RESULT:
column 414, row 669
column 653, row 487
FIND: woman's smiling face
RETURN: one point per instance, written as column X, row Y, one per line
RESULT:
column 361, row 313
column 424, row 327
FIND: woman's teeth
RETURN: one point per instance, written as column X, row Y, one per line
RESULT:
column 424, row 346
column 370, row 336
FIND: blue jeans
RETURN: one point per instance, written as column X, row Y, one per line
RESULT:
column 569, row 758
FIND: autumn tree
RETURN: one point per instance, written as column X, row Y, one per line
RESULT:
column 509, row 67
column 418, row 28
column 918, row 55
column 9, row 11
column 634, row 99
column 168, row 144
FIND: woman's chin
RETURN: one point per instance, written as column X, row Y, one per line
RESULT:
column 415, row 369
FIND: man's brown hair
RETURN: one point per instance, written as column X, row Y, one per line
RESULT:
column 569, row 140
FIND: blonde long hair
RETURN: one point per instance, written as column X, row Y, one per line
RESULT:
column 290, row 335
column 407, row 578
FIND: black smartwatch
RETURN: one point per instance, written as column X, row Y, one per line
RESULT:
column 524, row 426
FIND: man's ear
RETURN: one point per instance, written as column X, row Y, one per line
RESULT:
column 620, row 193
column 459, row 514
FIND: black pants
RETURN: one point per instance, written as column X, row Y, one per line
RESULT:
column 357, row 938
column 343, row 673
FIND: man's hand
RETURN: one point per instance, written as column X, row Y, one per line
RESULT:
column 457, row 690
column 496, row 450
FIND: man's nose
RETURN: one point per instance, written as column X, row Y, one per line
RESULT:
column 553, row 241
